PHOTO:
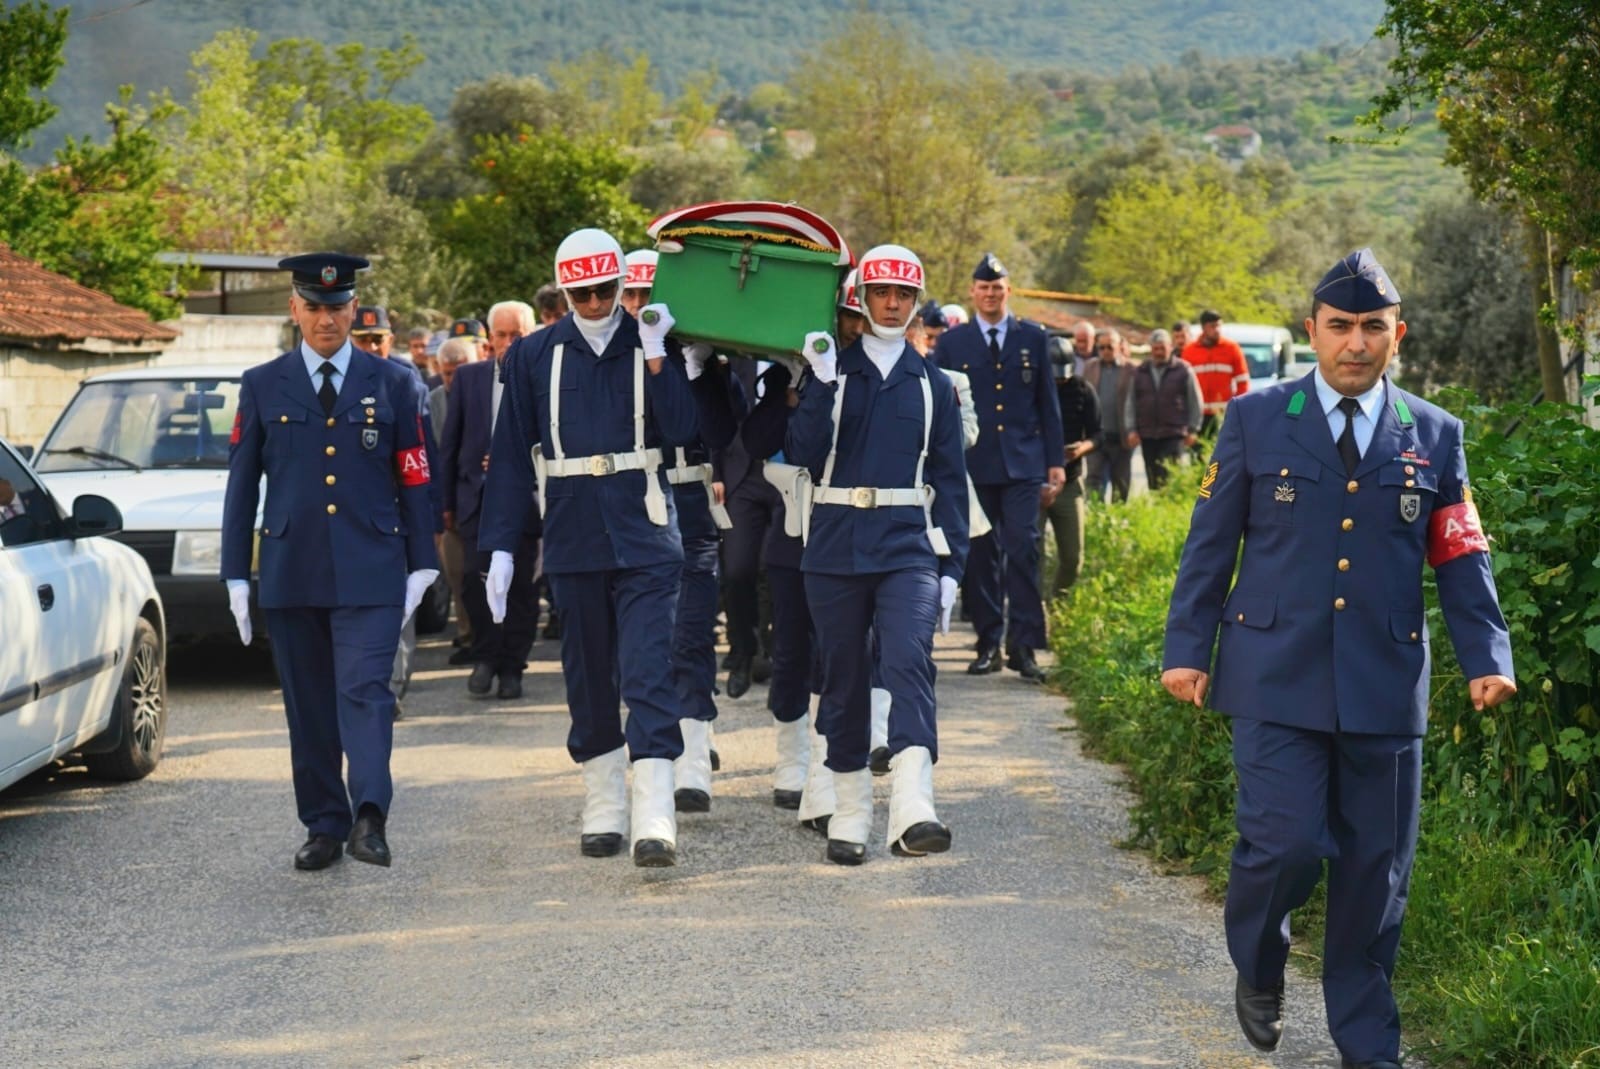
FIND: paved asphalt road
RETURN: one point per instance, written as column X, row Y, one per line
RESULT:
column 161, row 923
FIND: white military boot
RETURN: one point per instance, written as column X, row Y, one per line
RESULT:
column 816, row 801
column 655, row 823
column 692, row 771
column 851, row 825
column 914, row 827
column 879, row 759
column 605, row 803
column 794, row 758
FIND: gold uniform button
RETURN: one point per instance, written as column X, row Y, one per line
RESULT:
column 1413, row 636
column 1000, row 426
column 332, row 509
column 265, row 531
column 330, row 421
column 1283, row 471
column 330, row 450
column 1410, row 470
column 283, row 419
column 999, row 386
column 330, row 480
column 1348, row 524
column 1344, row 564
column 1241, row 618
column 1338, row 603
column 369, row 421
column 1411, row 482
column 999, row 408
column 1352, row 486
column 372, row 412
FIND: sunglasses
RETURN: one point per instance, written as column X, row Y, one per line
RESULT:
column 582, row 294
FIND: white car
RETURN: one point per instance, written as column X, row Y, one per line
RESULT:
column 1267, row 349
column 83, row 650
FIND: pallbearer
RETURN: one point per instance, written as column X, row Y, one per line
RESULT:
column 591, row 403
column 880, row 430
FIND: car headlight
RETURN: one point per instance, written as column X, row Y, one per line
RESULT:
column 197, row 553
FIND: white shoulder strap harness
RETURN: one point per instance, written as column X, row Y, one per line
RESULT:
column 561, row 466
column 871, row 497
column 679, row 473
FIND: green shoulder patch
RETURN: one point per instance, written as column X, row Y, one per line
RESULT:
column 1297, row 403
column 1403, row 412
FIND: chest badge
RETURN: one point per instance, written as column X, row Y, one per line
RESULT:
column 1284, row 493
column 369, row 438
column 369, row 400
column 1410, row 507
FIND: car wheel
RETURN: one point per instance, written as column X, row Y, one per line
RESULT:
column 139, row 717
column 434, row 612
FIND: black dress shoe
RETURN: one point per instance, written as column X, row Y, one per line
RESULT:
column 319, row 852
column 510, row 686
column 367, row 842
column 1021, row 660
column 481, row 680
column 1382, row 1063
column 654, row 854
column 843, row 853
column 926, row 837
column 727, row 660
column 462, row 656
column 602, row 844
column 691, row 800
column 460, row 642
column 785, row 799
column 716, row 761
column 761, row 669
column 817, row 824
column 988, row 660
column 1260, row 1013
column 878, row 761
column 739, row 678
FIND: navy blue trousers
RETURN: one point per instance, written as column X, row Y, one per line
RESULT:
column 616, row 647
column 1003, row 566
column 1352, row 799
column 334, row 665
column 793, row 653
column 694, row 636
column 903, row 607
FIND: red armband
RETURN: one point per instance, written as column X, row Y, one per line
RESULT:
column 1454, row 531
column 238, row 428
column 412, row 466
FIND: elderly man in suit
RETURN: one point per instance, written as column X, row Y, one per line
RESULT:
column 1340, row 485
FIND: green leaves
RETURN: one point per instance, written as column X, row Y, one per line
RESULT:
column 32, row 37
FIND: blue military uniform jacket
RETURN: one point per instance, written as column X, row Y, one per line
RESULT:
column 721, row 406
column 348, row 513
column 879, row 442
column 590, row 523
column 1019, row 418
column 1324, row 627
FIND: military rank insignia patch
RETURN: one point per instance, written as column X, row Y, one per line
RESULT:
column 1284, row 492
column 1410, row 507
column 1209, row 479
column 369, row 438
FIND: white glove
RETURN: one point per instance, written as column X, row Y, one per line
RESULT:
column 239, row 603
column 655, row 320
column 417, row 584
column 498, row 583
column 694, row 359
column 822, row 355
column 947, row 601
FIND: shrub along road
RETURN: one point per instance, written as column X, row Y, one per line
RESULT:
column 161, row 923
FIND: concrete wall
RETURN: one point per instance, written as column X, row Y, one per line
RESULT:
column 35, row 385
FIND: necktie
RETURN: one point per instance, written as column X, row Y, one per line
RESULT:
column 994, row 343
column 1347, row 438
column 327, row 395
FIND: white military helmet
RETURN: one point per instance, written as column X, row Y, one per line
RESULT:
column 954, row 314
column 641, row 269
column 893, row 265
column 588, row 257
column 849, row 295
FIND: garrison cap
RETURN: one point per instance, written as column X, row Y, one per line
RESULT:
column 468, row 328
column 371, row 319
column 324, row 277
column 933, row 316
column 989, row 269
column 1357, row 283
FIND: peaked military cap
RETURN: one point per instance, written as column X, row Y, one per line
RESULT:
column 324, row 277
column 468, row 328
column 933, row 316
column 372, row 319
column 1357, row 283
column 989, row 269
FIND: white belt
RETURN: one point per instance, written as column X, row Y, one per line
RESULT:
column 690, row 473
column 602, row 463
column 680, row 474
column 867, row 497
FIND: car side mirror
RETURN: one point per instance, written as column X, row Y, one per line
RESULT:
column 26, row 451
column 94, row 515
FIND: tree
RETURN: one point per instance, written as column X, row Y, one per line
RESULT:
column 32, row 37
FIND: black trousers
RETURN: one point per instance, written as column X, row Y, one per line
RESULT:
column 504, row 645
column 754, row 507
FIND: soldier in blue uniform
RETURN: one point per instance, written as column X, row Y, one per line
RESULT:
column 1016, row 466
column 880, row 430
column 1340, row 485
column 590, row 405
column 346, row 550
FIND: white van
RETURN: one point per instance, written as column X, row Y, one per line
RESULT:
column 1268, row 350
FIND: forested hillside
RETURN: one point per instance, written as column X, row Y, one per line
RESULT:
column 148, row 44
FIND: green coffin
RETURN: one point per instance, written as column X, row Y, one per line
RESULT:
column 743, row 293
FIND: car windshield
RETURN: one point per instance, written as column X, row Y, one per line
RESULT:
column 143, row 423
column 1262, row 358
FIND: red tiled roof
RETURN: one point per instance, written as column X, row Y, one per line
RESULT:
column 37, row 305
